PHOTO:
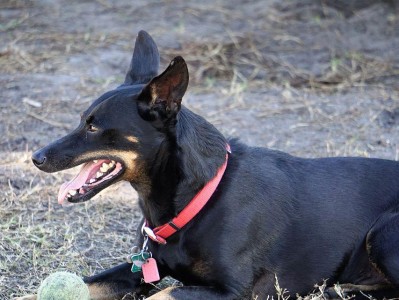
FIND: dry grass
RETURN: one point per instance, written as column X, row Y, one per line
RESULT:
column 245, row 58
column 318, row 294
column 38, row 237
column 18, row 56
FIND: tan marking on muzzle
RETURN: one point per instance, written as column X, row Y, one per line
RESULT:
column 126, row 157
column 140, row 178
column 132, row 139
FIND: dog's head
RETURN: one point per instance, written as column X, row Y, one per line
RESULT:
column 123, row 128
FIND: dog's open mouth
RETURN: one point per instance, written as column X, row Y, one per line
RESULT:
column 92, row 178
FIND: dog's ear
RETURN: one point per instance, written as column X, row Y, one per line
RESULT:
column 161, row 98
column 145, row 61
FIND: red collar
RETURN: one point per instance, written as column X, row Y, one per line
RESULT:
column 161, row 233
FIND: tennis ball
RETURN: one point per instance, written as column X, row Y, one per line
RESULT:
column 63, row 286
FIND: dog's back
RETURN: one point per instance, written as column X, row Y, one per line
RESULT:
column 302, row 219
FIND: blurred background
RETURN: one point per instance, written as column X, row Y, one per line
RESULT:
column 311, row 77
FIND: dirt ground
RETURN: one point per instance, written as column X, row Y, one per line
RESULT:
column 312, row 78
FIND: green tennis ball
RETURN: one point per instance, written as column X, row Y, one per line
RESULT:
column 63, row 286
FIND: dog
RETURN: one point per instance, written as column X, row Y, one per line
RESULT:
column 224, row 218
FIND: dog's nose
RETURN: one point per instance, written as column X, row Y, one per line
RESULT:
column 38, row 158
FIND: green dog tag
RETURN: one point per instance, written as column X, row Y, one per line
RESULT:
column 138, row 259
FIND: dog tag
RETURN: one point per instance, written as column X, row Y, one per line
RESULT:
column 138, row 260
column 150, row 270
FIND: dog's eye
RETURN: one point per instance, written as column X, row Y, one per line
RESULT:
column 91, row 128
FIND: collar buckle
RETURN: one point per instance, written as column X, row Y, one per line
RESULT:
column 148, row 232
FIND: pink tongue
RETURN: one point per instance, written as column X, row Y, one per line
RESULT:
column 88, row 171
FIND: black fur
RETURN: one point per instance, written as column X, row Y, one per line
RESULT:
column 302, row 220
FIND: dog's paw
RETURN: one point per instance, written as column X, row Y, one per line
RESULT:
column 27, row 297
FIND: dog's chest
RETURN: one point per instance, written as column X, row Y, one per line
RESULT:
column 183, row 266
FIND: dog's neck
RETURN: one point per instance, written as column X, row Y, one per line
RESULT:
column 184, row 163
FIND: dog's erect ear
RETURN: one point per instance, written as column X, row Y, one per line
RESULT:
column 145, row 61
column 163, row 95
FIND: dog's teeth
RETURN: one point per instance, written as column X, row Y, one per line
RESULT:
column 95, row 161
column 111, row 164
column 72, row 192
column 92, row 180
column 81, row 191
column 104, row 168
column 99, row 174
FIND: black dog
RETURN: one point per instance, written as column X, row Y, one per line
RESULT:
column 271, row 215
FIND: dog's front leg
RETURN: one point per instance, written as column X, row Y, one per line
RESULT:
column 192, row 293
column 116, row 283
